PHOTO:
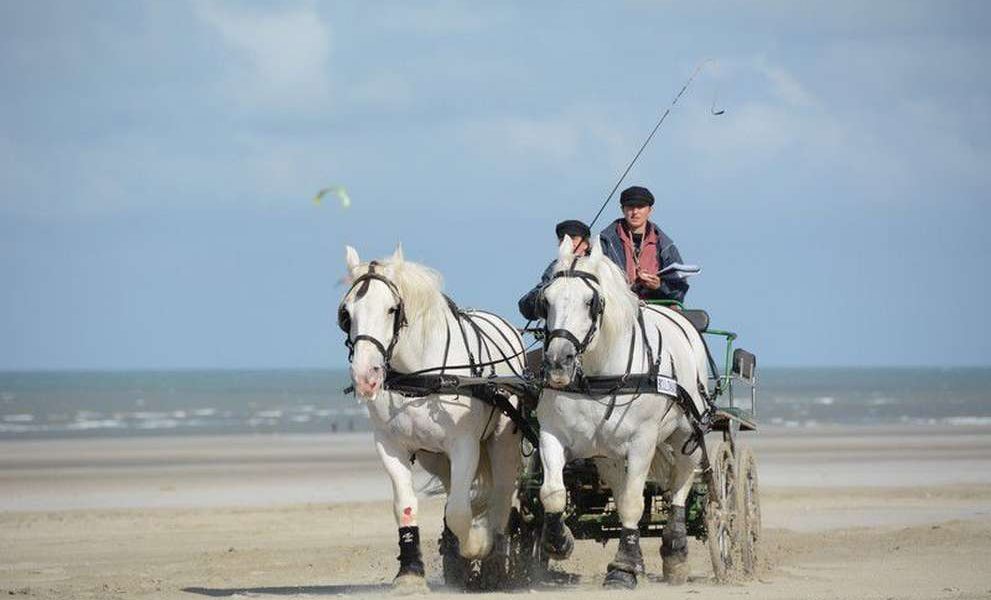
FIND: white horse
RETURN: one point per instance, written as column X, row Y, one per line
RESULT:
column 592, row 323
column 398, row 321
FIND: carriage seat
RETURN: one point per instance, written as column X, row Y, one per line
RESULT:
column 698, row 318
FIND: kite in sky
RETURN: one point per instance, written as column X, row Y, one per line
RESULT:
column 336, row 190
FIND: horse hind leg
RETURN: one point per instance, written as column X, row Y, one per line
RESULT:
column 503, row 449
column 674, row 537
column 474, row 539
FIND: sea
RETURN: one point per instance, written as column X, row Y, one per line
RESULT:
column 67, row 404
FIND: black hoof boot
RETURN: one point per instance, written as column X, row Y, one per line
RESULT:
column 674, row 547
column 493, row 571
column 628, row 561
column 619, row 579
column 411, row 572
column 557, row 540
column 455, row 566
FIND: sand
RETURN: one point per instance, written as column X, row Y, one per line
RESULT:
column 884, row 512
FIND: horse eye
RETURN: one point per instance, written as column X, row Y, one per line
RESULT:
column 588, row 303
column 393, row 310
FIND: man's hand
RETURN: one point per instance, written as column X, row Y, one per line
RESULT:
column 649, row 280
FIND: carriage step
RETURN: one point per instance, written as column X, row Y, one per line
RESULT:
column 725, row 414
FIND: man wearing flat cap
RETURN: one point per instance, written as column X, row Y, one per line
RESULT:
column 641, row 249
column 579, row 234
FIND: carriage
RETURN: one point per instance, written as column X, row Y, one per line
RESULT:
column 723, row 506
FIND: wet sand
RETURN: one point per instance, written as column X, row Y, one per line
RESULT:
column 886, row 512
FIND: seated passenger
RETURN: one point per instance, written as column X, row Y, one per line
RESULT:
column 579, row 233
column 641, row 249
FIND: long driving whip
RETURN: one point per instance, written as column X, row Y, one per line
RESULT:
column 647, row 141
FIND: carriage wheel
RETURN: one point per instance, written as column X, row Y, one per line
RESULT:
column 721, row 510
column 523, row 546
column 749, row 511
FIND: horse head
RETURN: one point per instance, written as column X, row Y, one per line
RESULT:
column 586, row 305
column 371, row 314
column 573, row 303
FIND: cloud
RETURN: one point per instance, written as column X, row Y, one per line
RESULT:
column 557, row 140
column 282, row 57
column 386, row 90
column 442, row 17
column 901, row 151
column 786, row 87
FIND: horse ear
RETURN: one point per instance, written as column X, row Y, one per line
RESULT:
column 565, row 252
column 351, row 257
column 596, row 249
column 397, row 256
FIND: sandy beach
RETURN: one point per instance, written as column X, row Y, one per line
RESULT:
column 862, row 512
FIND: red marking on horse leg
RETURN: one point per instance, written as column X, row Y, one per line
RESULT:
column 407, row 516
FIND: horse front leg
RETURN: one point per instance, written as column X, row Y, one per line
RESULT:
column 398, row 465
column 622, row 571
column 556, row 539
column 674, row 537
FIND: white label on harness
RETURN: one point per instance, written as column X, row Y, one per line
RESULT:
column 666, row 385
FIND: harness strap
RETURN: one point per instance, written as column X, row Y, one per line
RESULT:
column 457, row 313
column 490, row 391
column 491, row 394
column 712, row 365
column 502, row 334
column 624, row 378
column 386, row 352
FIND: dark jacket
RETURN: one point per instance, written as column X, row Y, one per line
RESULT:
column 531, row 300
column 667, row 253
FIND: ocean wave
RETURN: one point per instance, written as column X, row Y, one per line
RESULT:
column 19, row 418
column 962, row 421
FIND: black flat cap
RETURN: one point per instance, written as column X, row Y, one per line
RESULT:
column 572, row 228
column 636, row 196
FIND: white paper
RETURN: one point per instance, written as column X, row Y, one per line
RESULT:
column 679, row 271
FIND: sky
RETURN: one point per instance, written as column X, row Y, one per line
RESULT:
column 158, row 160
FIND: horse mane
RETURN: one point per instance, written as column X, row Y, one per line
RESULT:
column 621, row 303
column 421, row 289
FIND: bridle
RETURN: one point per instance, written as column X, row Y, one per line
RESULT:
column 398, row 314
column 595, row 309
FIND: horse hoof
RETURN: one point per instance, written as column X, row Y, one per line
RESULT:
column 493, row 573
column 618, row 579
column 563, row 549
column 558, row 542
column 675, row 571
column 409, row 583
